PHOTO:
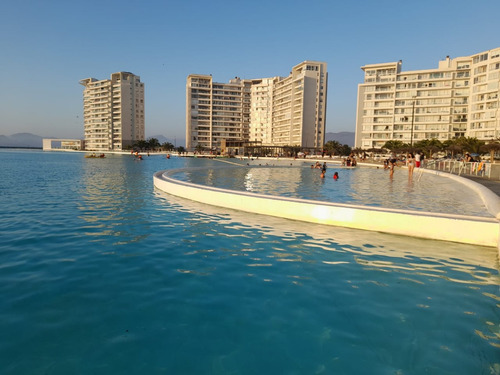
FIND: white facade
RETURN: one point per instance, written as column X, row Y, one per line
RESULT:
column 299, row 106
column 273, row 111
column 216, row 111
column 261, row 110
column 113, row 112
column 459, row 98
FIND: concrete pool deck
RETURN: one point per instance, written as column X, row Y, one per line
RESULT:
column 494, row 186
column 447, row 227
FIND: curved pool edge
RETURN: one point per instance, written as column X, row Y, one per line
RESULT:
column 436, row 226
column 490, row 199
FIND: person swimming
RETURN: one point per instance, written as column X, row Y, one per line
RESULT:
column 336, row 176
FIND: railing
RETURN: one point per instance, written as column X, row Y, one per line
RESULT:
column 479, row 169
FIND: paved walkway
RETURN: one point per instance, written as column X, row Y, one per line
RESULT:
column 494, row 186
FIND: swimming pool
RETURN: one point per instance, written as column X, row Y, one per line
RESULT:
column 363, row 185
column 232, row 185
column 100, row 273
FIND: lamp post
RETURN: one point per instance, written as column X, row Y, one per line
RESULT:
column 412, row 122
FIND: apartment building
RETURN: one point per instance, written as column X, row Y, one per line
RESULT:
column 216, row 111
column 459, row 98
column 261, row 94
column 113, row 112
column 277, row 111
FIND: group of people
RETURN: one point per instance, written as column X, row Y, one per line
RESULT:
column 412, row 161
column 323, row 170
column 350, row 161
column 319, row 166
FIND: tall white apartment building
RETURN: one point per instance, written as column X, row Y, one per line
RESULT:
column 276, row 111
column 261, row 93
column 216, row 111
column 113, row 112
column 299, row 106
column 459, row 98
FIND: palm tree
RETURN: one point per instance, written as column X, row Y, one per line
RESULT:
column 429, row 146
column 141, row 144
column 471, row 144
column 153, row 143
column 167, row 146
column 394, row 145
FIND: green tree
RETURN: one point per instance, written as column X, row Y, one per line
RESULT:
column 471, row 144
column 345, row 150
column 167, row 146
column 141, row 144
column 181, row 150
column 394, row 145
column 153, row 143
column 429, row 146
column 332, row 147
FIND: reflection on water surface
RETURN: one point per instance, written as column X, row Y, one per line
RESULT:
column 364, row 186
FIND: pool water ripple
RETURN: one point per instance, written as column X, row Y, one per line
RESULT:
column 364, row 185
column 102, row 274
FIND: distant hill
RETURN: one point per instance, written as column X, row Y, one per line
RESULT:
column 32, row 140
column 21, row 140
column 344, row 138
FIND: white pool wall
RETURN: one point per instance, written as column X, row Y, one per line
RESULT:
column 447, row 227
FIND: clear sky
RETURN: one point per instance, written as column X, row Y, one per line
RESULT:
column 46, row 47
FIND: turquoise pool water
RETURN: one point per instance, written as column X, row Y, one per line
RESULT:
column 363, row 185
column 102, row 274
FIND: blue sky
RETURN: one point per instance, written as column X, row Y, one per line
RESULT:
column 48, row 46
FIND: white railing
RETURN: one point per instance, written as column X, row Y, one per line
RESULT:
column 480, row 169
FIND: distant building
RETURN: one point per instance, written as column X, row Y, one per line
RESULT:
column 274, row 111
column 63, row 144
column 459, row 98
column 113, row 112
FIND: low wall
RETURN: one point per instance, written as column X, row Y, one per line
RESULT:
column 447, row 227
